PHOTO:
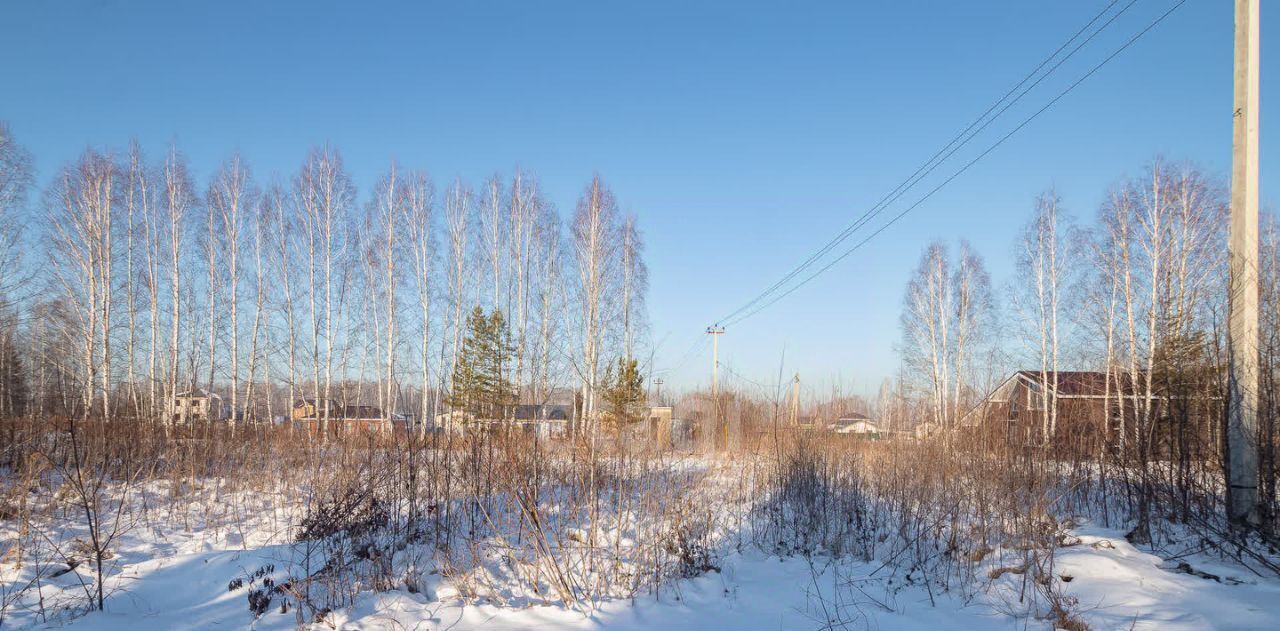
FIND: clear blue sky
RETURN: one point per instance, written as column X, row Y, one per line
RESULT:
column 743, row 134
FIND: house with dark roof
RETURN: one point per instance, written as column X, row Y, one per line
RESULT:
column 1083, row 403
column 311, row 414
column 856, row 423
column 541, row 412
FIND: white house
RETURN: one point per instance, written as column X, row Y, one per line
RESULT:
column 856, row 423
column 856, row 427
column 197, row 405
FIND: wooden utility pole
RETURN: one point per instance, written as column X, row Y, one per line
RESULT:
column 1242, row 379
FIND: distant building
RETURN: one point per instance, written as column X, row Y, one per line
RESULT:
column 856, row 423
column 1085, row 404
column 306, row 409
column 542, row 420
column 196, row 405
column 453, row 421
column 361, row 412
column 659, row 425
column 545, row 421
column 311, row 413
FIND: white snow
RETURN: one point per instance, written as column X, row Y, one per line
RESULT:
column 1125, row 588
column 1117, row 587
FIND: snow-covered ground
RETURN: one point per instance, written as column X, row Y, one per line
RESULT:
column 185, row 586
column 194, row 554
column 1120, row 587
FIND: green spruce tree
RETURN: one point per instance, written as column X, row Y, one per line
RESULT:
column 480, row 384
column 624, row 394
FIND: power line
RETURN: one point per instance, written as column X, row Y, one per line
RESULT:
column 962, row 169
column 741, row 377
column 690, row 353
column 955, row 144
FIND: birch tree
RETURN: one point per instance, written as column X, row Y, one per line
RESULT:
column 15, row 180
column 971, row 293
column 212, row 289
column 285, row 254
column 523, row 201
column 1164, row 231
column 231, row 197
column 1039, row 265
column 152, row 280
column 179, row 198
column 1098, row 288
column 324, row 195
column 548, row 253
column 420, row 234
column 135, row 210
column 388, row 214
column 925, row 327
column 494, row 233
column 80, row 210
column 261, row 230
column 635, row 284
column 595, row 241
column 457, row 210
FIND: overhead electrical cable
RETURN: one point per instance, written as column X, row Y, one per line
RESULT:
column 941, row 155
column 962, row 169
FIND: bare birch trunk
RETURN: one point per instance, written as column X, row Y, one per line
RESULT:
column 418, row 219
column 178, row 197
column 457, row 213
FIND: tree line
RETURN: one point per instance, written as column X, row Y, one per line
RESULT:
column 125, row 280
column 1139, row 293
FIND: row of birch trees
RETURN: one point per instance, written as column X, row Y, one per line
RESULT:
column 1138, row 292
column 1144, row 280
column 141, row 281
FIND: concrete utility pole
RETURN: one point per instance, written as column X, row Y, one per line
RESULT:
column 722, row 431
column 795, row 400
column 1242, row 379
column 658, row 382
column 715, row 332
